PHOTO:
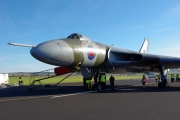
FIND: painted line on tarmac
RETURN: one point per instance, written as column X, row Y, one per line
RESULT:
column 141, row 84
column 24, row 98
column 137, row 85
column 80, row 93
column 46, row 96
column 58, row 96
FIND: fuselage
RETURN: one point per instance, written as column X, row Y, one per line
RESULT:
column 72, row 51
column 79, row 51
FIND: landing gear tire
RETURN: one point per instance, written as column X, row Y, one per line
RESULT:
column 172, row 79
column 99, row 86
column 162, row 85
column 94, row 87
column 159, row 85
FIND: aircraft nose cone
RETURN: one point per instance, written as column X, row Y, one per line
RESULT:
column 41, row 51
column 55, row 52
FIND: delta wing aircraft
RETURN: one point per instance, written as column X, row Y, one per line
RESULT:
column 79, row 53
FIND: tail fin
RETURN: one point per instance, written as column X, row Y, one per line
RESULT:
column 145, row 46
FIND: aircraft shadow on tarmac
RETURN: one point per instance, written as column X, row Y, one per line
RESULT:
column 23, row 91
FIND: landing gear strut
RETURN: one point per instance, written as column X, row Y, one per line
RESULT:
column 96, row 85
column 88, row 74
column 163, row 82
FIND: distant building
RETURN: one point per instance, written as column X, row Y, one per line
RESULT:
column 4, row 78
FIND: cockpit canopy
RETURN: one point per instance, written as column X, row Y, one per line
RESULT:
column 78, row 36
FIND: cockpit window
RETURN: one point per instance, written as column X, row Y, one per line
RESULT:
column 78, row 36
column 74, row 36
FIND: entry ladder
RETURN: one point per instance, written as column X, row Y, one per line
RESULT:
column 39, row 80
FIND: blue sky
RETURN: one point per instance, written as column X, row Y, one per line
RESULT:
column 123, row 23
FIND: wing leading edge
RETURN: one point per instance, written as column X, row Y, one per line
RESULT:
column 140, row 62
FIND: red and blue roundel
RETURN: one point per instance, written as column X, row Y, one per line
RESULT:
column 91, row 54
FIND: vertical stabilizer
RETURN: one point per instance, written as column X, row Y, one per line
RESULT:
column 145, row 46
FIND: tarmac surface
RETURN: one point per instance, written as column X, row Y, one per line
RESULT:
column 129, row 101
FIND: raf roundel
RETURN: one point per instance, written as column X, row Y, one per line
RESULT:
column 91, row 54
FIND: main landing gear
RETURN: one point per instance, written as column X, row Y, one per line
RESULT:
column 88, row 74
column 96, row 86
column 163, row 82
column 99, row 80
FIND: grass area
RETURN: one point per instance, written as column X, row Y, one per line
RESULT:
column 74, row 78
